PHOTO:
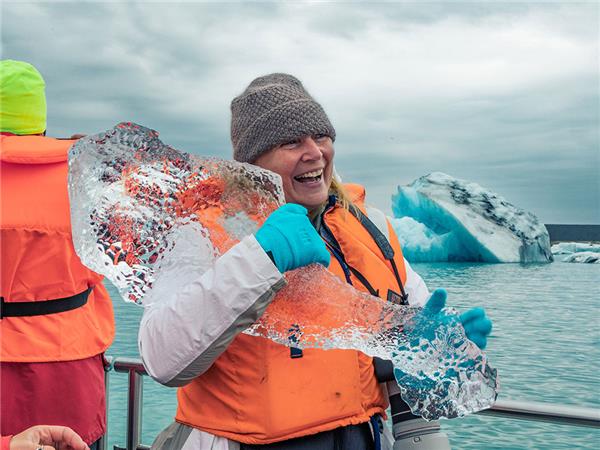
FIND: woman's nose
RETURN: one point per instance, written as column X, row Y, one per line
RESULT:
column 311, row 149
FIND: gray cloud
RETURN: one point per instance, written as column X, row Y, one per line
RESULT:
column 504, row 94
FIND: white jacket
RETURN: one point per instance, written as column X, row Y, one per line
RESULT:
column 180, row 337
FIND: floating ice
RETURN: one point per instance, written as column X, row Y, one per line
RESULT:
column 577, row 252
column 583, row 257
column 149, row 218
column 441, row 218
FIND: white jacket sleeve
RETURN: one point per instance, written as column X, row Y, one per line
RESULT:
column 180, row 337
column 418, row 294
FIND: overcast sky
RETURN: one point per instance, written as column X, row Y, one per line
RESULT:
column 505, row 94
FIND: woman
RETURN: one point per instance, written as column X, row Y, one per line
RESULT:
column 243, row 392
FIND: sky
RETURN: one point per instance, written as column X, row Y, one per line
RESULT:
column 504, row 94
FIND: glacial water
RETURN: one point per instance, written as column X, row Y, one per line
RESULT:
column 545, row 344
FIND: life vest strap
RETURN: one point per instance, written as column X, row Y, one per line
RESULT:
column 384, row 245
column 42, row 308
column 382, row 242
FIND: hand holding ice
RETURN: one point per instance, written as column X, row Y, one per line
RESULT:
column 477, row 326
column 434, row 334
column 291, row 240
column 150, row 218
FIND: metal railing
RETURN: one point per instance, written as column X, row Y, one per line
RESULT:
column 512, row 409
column 135, row 371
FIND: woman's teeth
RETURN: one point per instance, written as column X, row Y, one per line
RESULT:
column 310, row 176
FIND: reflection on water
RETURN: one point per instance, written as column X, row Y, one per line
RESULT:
column 545, row 344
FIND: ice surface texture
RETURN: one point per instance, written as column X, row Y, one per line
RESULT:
column 135, row 200
column 439, row 371
column 441, row 218
column 149, row 218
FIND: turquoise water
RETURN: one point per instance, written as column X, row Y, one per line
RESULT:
column 545, row 344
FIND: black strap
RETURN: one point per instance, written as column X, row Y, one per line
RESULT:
column 382, row 242
column 336, row 249
column 42, row 308
column 384, row 245
column 397, row 275
column 294, row 334
column 374, row 292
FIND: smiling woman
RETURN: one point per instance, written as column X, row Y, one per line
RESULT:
column 246, row 392
column 305, row 166
column 278, row 126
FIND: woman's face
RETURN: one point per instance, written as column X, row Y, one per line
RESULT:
column 305, row 166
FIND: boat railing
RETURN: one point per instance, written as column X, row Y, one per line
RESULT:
column 512, row 409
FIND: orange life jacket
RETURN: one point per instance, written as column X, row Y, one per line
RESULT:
column 39, row 263
column 256, row 393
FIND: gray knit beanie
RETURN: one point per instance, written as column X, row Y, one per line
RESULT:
column 274, row 109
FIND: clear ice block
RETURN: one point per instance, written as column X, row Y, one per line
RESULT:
column 149, row 218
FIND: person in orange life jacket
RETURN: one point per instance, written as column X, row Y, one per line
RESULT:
column 56, row 317
column 44, row 437
column 243, row 392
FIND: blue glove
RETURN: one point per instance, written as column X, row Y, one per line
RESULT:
column 429, row 319
column 291, row 239
column 477, row 326
column 436, row 302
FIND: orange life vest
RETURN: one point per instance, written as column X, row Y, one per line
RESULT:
column 39, row 263
column 257, row 394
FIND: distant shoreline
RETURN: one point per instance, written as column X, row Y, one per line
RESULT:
column 573, row 233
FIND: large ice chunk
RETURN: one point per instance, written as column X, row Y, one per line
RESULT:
column 152, row 219
column 441, row 218
column 134, row 200
column 441, row 374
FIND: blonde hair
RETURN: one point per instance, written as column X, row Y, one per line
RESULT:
column 343, row 199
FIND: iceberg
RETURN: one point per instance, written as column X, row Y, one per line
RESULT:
column 442, row 218
column 577, row 252
column 149, row 217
